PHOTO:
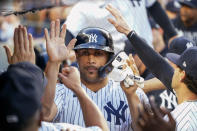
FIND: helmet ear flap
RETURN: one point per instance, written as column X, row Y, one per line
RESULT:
column 104, row 70
column 107, row 68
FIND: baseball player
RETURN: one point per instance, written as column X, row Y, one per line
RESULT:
column 93, row 14
column 94, row 49
column 186, row 22
column 23, row 84
column 182, row 78
column 166, row 98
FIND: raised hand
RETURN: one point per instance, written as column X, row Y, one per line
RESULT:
column 120, row 24
column 154, row 121
column 56, row 49
column 71, row 78
column 23, row 47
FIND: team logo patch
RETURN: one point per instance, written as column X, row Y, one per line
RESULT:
column 92, row 38
column 168, row 100
column 118, row 113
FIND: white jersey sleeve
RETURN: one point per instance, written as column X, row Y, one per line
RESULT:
column 46, row 126
column 149, row 3
column 61, row 92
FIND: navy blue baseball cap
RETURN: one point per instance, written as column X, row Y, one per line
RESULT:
column 180, row 44
column 187, row 61
column 22, row 86
column 173, row 6
column 189, row 3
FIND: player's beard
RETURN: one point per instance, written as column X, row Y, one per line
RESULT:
column 86, row 76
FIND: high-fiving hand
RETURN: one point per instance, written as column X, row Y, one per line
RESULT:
column 120, row 24
column 23, row 47
column 71, row 78
column 56, row 49
column 153, row 121
column 132, row 65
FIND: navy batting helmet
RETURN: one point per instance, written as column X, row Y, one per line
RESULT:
column 99, row 39
column 94, row 38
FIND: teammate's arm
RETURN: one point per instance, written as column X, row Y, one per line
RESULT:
column 92, row 115
column 153, row 84
column 159, row 15
column 132, row 97
column 157, row 65
column 57, row 52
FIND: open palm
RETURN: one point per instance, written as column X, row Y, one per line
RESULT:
column 119, row 22
column 56, row 48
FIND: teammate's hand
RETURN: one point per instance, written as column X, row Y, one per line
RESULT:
column 132, row 65
column 153, row 121
column 71, row 78
column 132, row 89
column 56, row 49
column 120, row 24
column 23, row 47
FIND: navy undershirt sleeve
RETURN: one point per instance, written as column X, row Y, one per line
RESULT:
column 159, row 15
column 153, row 61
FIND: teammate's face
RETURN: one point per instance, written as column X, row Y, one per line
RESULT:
column 89, row 61
column 177, row 77
column 188, row 15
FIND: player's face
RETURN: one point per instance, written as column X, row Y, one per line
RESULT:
column 89, row 61
column 177, row 77
column 188, row 15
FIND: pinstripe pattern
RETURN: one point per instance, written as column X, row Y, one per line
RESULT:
column 93, row 14
column 69, row 109
column 46, row 126
column 185, row 116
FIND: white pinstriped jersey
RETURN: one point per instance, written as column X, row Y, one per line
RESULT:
column 185, row 116
column 93, row 14
column 110, row 99
column 46, row 126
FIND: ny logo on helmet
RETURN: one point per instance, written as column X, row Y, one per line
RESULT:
column 92, row 38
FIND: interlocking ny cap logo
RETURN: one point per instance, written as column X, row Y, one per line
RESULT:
column 92, row 38
column 189, row 44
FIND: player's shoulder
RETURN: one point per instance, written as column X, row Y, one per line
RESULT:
column 61, row 88
column 185, row 115
column 185, row 109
